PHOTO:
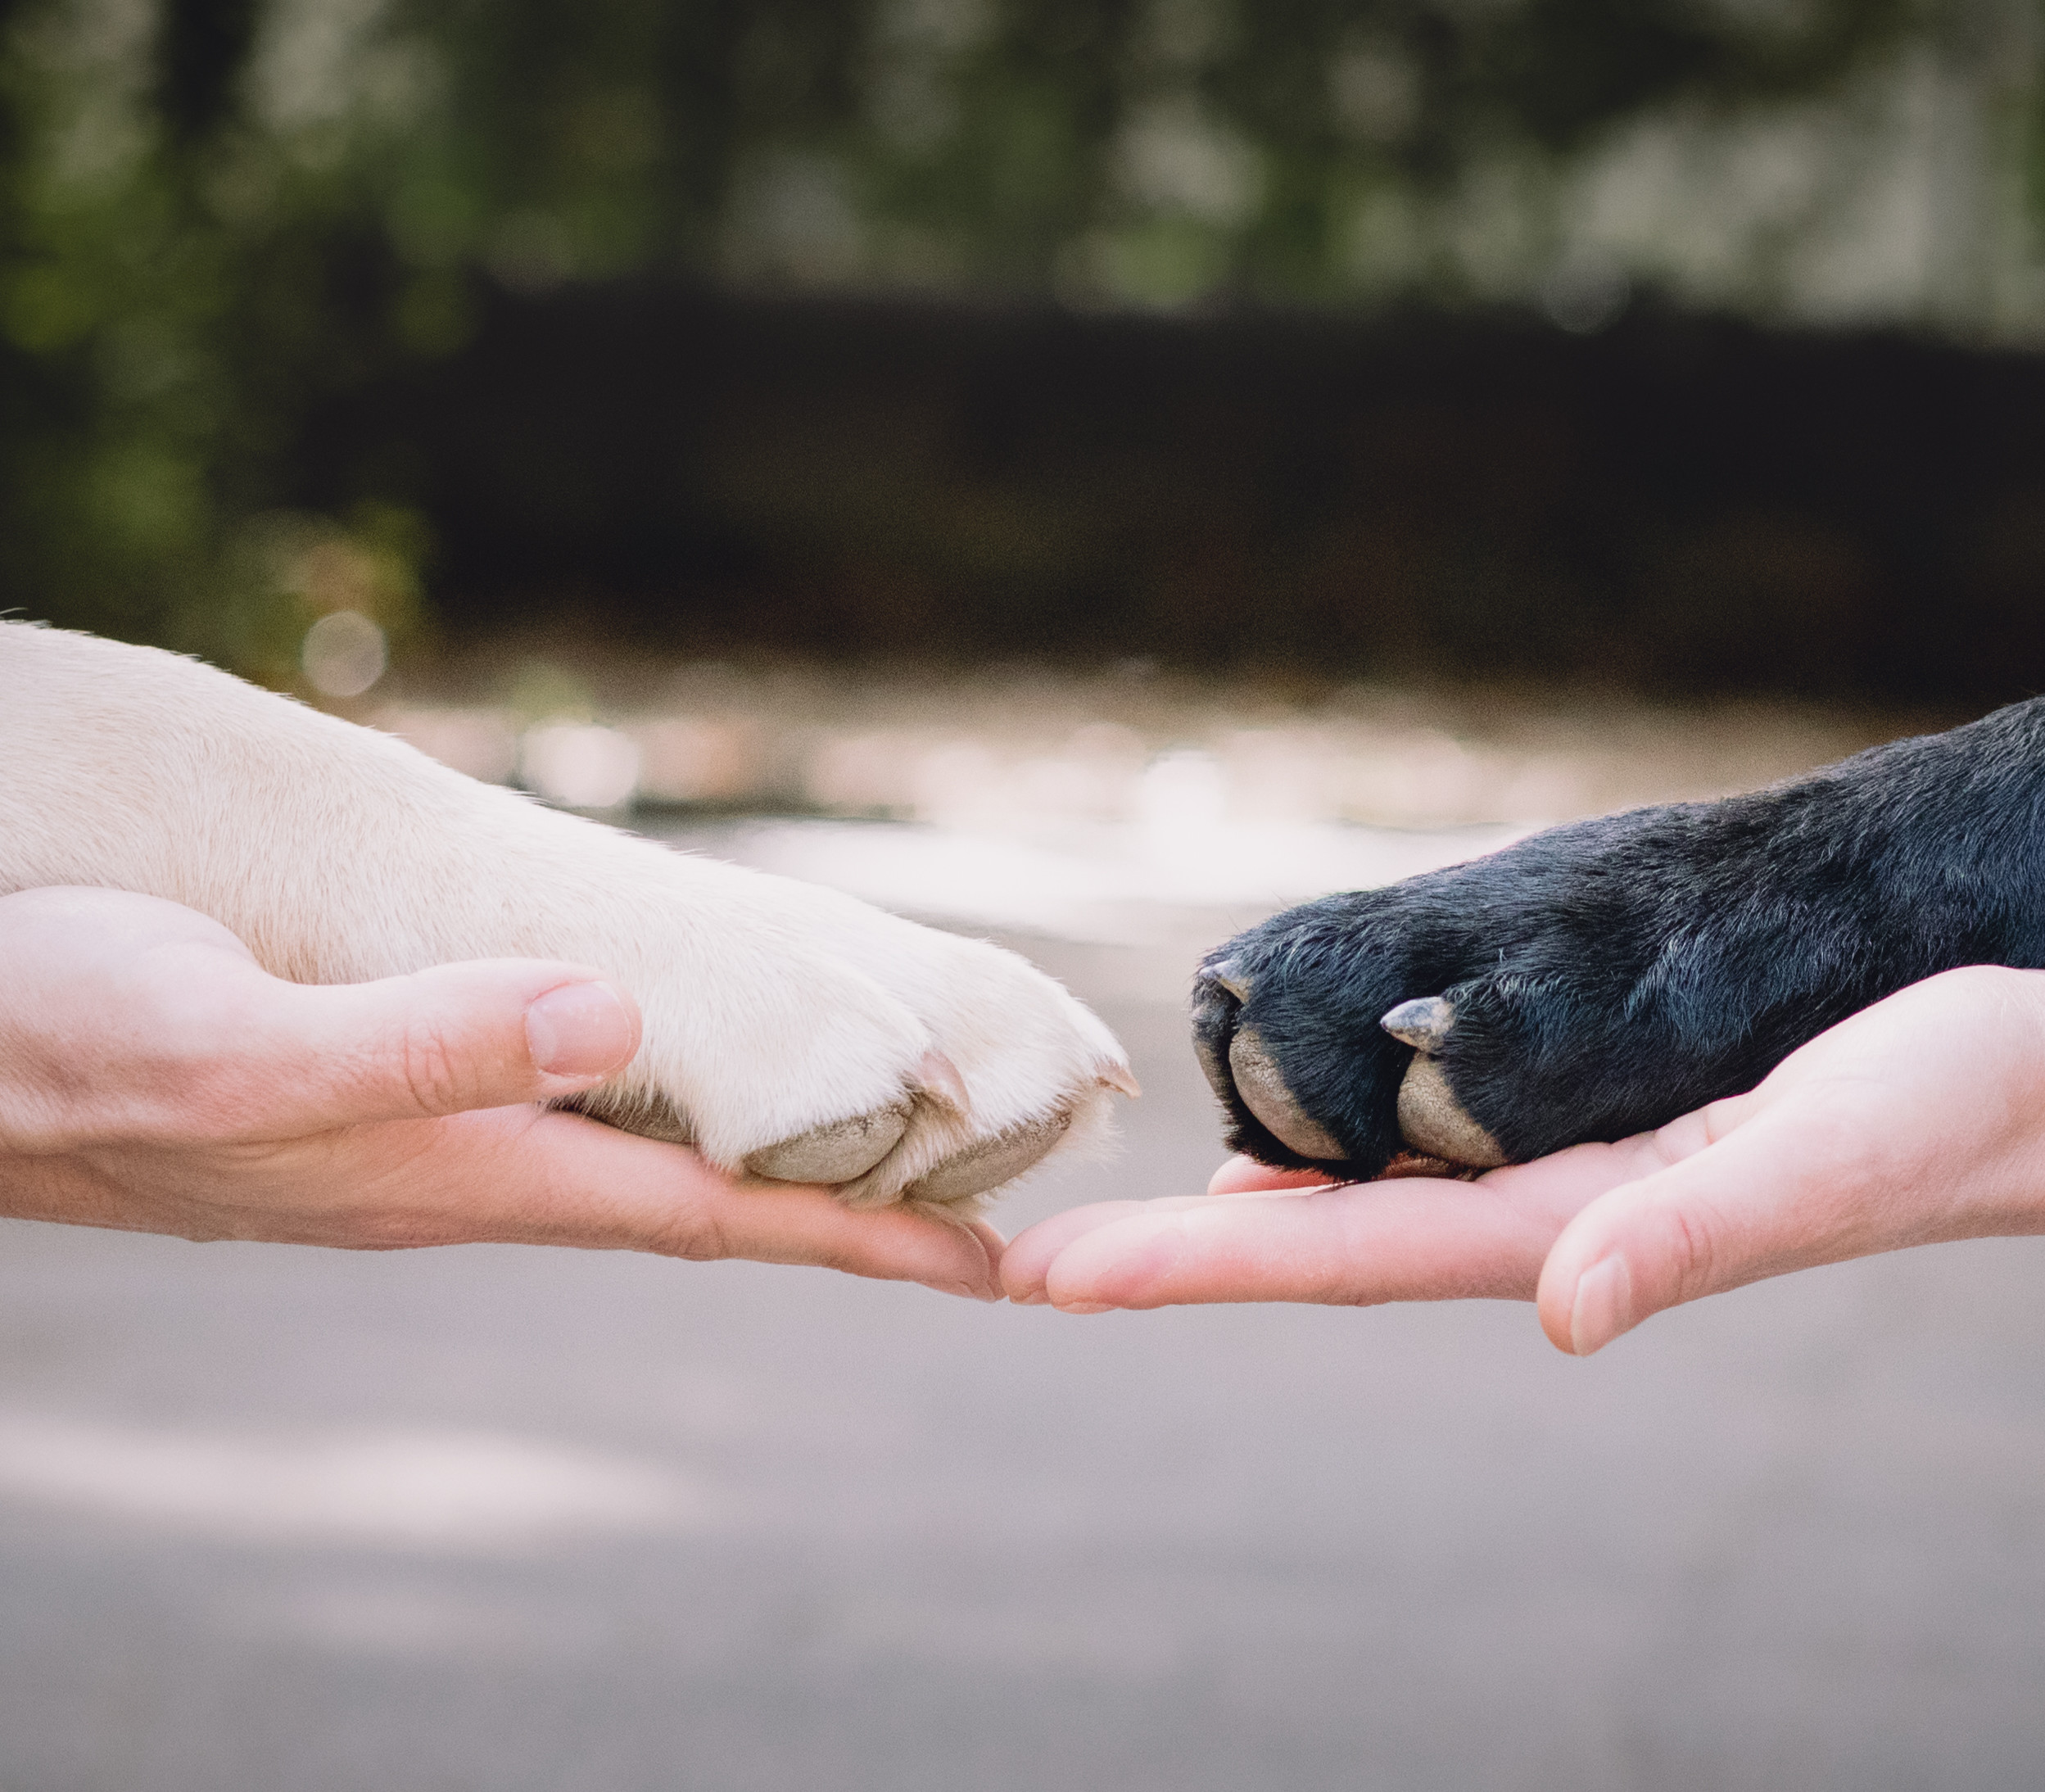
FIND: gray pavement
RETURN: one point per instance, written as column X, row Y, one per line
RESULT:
column 491, row 1518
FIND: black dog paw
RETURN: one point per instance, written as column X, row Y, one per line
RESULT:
column 1600, row 979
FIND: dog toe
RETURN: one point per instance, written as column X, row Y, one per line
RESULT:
column 990, row 1162
column 1267, row 1058
column 836, row 1152
column 1432, row 1120
column 1261, row 1085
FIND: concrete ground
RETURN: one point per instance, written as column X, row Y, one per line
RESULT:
column 288, row 1521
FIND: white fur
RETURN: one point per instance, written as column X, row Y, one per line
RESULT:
column 339, row 854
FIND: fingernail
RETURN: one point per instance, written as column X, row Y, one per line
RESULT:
column 966, row 1291
column 1037, row 1297
column 1604, row 1306
column 581, row 1029
column 1086, row 1306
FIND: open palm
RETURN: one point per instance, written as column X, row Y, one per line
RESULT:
column 1919, row 1120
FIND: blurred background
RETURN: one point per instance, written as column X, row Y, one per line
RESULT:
column 1681, row 344
column 1089, row 474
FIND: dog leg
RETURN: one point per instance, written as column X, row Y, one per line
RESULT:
column 791, row 1032
column 1600, row 979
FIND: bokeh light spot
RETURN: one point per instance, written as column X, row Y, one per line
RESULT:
column 344, row 655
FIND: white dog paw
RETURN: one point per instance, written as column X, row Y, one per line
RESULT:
column 791, row 1033
column 807, row 1038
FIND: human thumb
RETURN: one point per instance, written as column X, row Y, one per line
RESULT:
column 490, row 1032
column 1735, row 1203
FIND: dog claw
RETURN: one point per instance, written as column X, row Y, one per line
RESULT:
column 1120, row 1078
column 939, row 1078
column 1434, row 1121
column 1262, row 1088
column 837, row 1152
column 1431, row 1119
column 1229, row 974
column 1422, row 1024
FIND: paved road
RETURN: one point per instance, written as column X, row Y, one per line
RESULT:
column 503, row 1520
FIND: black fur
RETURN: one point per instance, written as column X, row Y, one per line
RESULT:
column 1610, row 975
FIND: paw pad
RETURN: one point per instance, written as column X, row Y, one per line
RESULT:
column 836, row 1152
column 990, row 1163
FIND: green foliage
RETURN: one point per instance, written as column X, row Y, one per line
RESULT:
column 213, row 213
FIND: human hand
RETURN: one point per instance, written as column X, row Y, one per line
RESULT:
column 1919, row 1120
column 154, row 1079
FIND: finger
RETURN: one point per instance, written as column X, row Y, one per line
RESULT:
column 481, row 1034
column 488, row 1034
column 603, row 1189
column 1355, row 1246
column 524, row 1175
column 798, row 1225
column 1030, row 1254
column 1545, row 1193
column 1741, row 1191
column 1028, row 1260
column 1241, row 1174
column 1912, row 1121
column 132, row 1017
column 995, row 1248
